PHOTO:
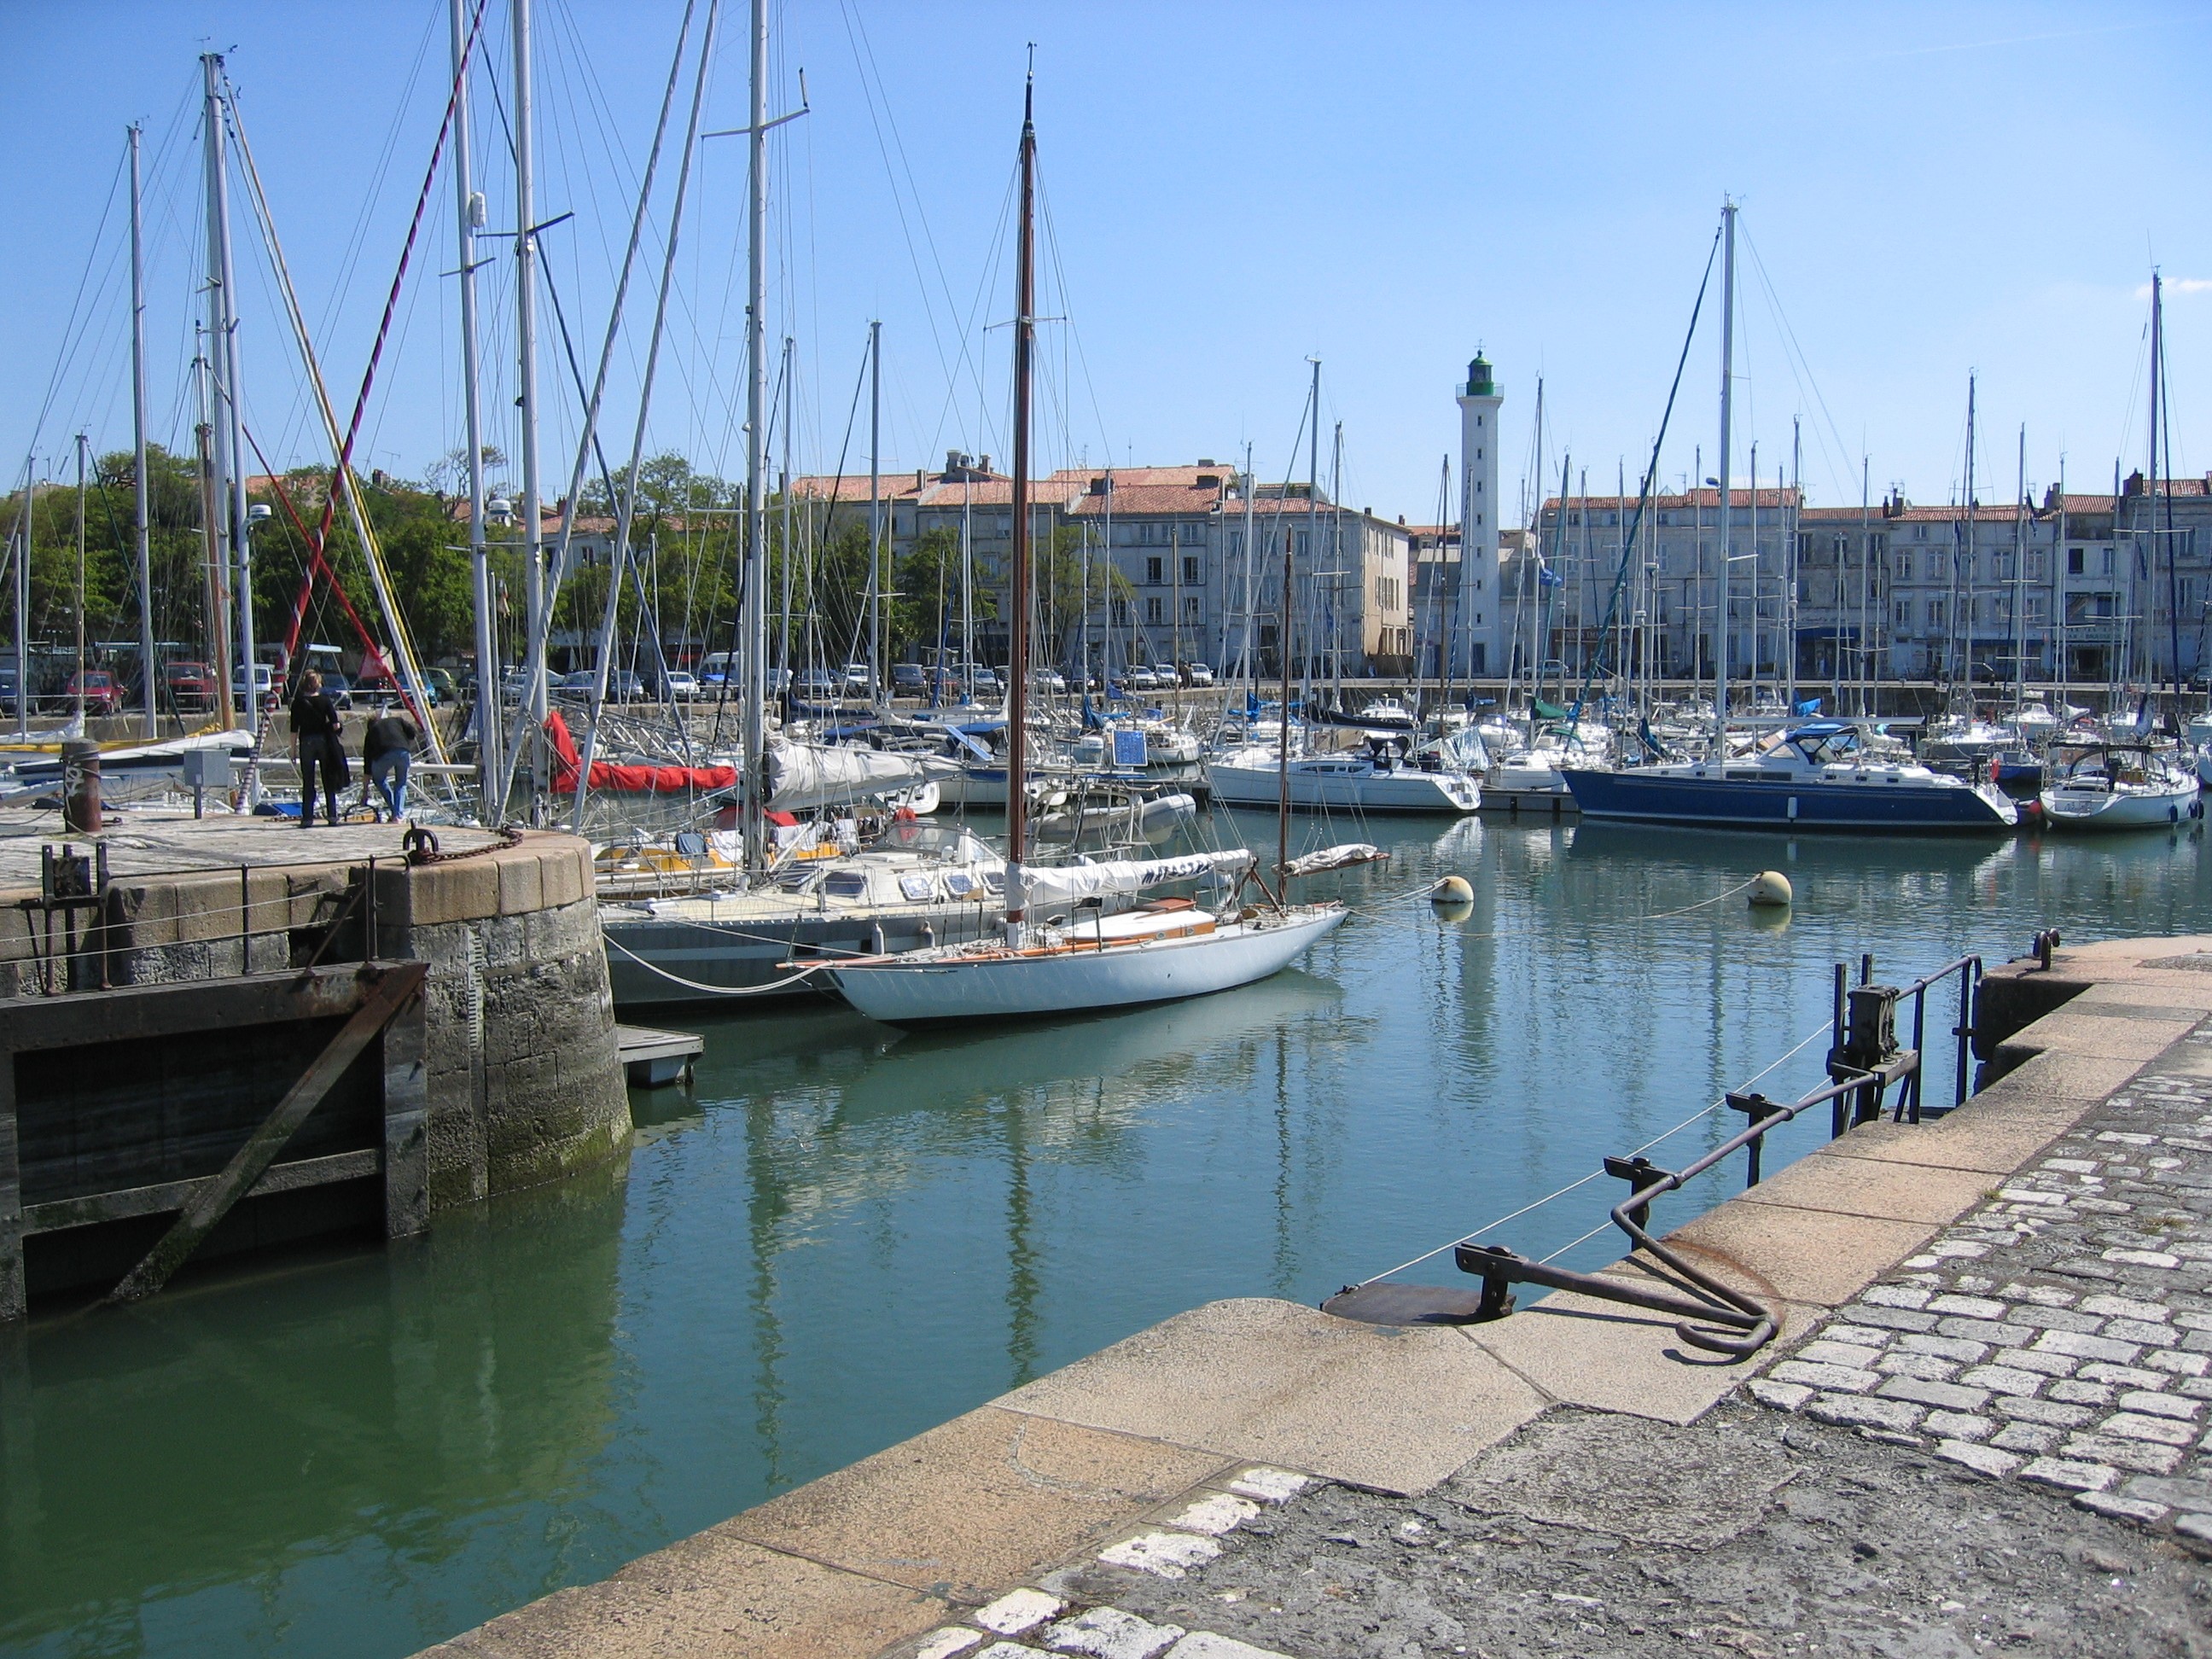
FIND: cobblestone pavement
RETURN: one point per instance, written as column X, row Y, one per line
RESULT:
column 2003, row 1446
column 2061, row 1335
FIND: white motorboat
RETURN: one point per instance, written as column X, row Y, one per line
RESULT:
column 1355, row 780
column 2119, row 786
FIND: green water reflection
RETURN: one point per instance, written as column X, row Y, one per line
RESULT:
column 841, row 1235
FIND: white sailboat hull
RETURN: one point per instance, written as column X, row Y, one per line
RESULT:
column 928, row 986
column 1347, row 786
column 2121, row 809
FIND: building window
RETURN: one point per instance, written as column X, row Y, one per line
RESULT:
column 2074, row 560
column 1156, row 609
column 1190, row 608
column 1190, row 570
column 1152, row 571
column 1905, row 566
column 2108, row 561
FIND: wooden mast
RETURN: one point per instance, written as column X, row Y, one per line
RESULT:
column 1017, row 632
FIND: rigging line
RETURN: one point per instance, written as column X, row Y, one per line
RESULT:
column 68, row 347
column 830, row 522
column 1823, row 1029
column 1644, row 495
column 341, row 478
column 1794, row 354
column 879, row 113
column 349, row 261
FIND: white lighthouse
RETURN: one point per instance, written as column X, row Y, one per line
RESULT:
column 1475, row 633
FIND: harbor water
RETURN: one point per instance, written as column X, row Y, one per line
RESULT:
column 841, row 1235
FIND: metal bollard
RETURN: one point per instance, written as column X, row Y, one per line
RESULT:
column 80, row 788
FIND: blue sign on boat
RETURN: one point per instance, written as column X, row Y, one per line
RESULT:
column 1129, row 749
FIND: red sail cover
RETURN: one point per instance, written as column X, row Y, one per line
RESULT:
column 626, row 779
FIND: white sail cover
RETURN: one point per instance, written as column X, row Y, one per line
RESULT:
column 804, row 774
column 1043, row 887
column 1334, row 858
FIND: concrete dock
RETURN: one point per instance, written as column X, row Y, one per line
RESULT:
column 1983, row 1425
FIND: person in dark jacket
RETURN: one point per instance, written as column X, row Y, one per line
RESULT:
column 316, row 748
column 385, row 750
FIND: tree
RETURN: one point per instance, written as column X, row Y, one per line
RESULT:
column 927, row 610
column 1066, row 599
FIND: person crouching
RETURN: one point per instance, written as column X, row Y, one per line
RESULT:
column 386, row 748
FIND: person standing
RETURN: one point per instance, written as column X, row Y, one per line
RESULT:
column 316, row 748
column 387, row 749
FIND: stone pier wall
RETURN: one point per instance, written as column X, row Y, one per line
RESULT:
column 525, row 1080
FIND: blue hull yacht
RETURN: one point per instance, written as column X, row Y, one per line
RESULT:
column 1815, row 777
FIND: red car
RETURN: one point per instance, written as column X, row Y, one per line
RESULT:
column 190, row 685
column 98, row 690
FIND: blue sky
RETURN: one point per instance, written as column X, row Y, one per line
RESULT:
column 1926, row 192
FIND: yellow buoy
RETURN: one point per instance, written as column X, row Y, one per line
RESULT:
column 1769, row 888
column 1452, row 890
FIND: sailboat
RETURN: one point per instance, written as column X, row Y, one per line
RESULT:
column 769, row 888
column 1821, row 775
column 1055, row 961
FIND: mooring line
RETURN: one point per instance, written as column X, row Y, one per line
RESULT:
column 1818, row 1032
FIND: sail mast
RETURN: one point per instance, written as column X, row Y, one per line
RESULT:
column 1017, row 631
column 468, row 208
column 1283, row 747
column 1728, row 411
column 1966, row 617
column 526, row 341
column 141, row 523
column 754, row 598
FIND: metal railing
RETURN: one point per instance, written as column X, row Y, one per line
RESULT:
column 1864, row 1064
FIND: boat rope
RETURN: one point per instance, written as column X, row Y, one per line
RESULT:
column 1424, row 897
column 1823, row 1028
column 721, row 990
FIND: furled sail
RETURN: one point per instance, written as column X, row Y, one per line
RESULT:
column 804, row 775
column 1046, row 886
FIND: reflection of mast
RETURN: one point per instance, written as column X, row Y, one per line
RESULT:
column 767, row 1205
column 1021, row 1255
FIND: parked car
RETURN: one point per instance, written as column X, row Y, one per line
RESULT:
column 1198, row 674
column 1168, row 674
column 1047, row 680
column 7, row 690
column 338, row 689
column 99, row 691
column 1141, row 679
column 512, row 684
column 680, row 684
column 264, row 691
column 858, row 681
column 189, row 685
column 715, row 667
column 907, row 678
column 816, row 685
